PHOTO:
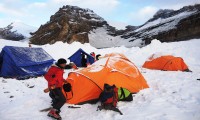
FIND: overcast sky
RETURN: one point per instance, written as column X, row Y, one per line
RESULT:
column 116, row 12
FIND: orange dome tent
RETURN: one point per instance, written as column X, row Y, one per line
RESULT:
column 87, row 83
column 168, row 63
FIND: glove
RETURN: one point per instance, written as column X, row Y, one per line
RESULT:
column 65, row 81
column 73, row 65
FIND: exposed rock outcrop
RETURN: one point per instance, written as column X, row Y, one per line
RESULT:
column 69, row 24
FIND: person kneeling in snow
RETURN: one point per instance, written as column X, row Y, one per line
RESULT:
column 109, row 98
column 55, row 80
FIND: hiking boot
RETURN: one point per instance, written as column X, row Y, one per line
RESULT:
column 54, row 114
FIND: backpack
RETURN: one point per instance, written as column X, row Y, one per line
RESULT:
column 111, row 97
column 124, row 95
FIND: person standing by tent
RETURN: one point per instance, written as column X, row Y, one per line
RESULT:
column 98, row 57
column 55, row 80
column 93, row 55
column 29, row 45
column 83, row 60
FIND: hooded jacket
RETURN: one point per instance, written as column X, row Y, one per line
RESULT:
column 54, row 76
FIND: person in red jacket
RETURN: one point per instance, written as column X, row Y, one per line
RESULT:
column 55, row 80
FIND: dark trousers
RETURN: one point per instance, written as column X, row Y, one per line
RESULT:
column 58, row 99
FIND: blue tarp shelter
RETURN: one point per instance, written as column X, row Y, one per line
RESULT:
column 76, row 57
column 24, row 61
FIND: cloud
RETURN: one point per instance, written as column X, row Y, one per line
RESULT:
column 39, row 12
column 102, row 7
column 118, row 25
column 91, row 4
column 88, row 3
column 6, row 21
column 147, row 11
column 174, row 4
column 10, row 11
column 142, row 15
column 38, row 5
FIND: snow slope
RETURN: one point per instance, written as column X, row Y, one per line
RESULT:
column 22, row 28
column 105, row 40
column 165, row 23
column 171, row 96
column 169, row 23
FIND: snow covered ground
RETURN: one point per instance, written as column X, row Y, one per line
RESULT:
column 171, row 96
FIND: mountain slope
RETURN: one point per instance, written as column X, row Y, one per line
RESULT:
column 16, row 31
column 72, row 23
column 169, row 26
column 99, row 38
column 22, row 28
column 69, row 24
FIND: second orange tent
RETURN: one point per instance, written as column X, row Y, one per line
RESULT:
column 167, row 63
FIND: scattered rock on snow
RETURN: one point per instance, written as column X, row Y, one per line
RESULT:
column 31, row 86
column 3, row 81
column 11, row 96
column 6, row 92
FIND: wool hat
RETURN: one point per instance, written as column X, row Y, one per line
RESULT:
column 61, row 61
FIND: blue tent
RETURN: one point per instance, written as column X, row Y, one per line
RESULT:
column 76, row 57
column 24, row 61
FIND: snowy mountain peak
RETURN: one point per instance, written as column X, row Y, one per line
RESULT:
column 22, row 28
column 76, row 14
column 166, row 13
column 163, row 13
column 169, row 26
column 16, row 31
column 69, row 24
column 73, row 11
